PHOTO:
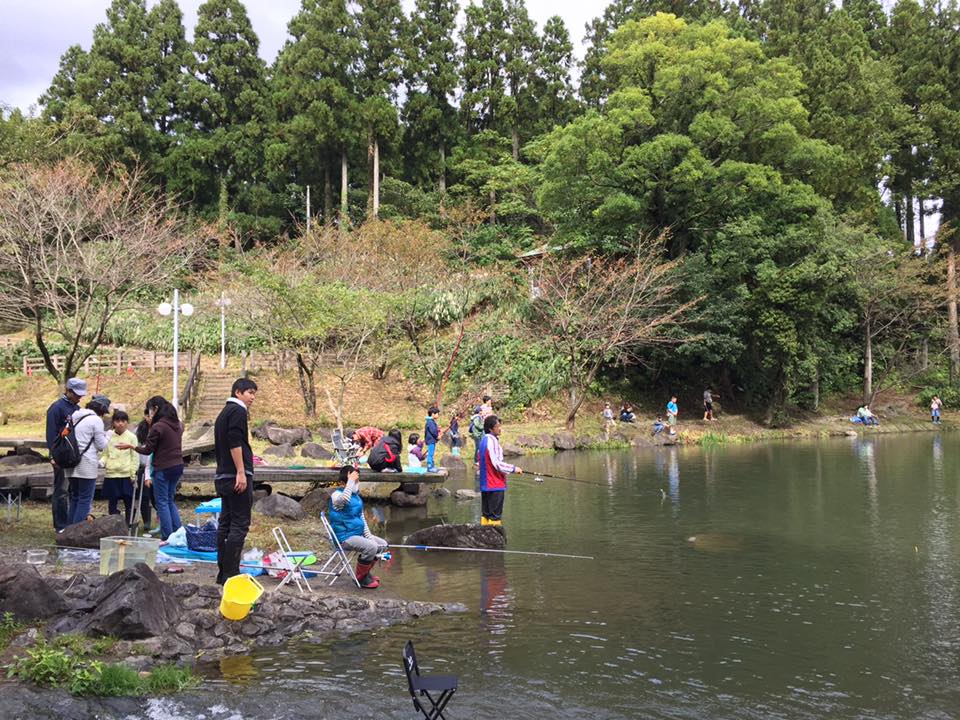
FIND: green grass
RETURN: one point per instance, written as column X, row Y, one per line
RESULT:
column 9, row 629
column 54, row 666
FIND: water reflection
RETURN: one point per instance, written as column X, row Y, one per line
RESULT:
column 803, row 597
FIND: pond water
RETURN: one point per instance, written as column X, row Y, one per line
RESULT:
column 786, row 580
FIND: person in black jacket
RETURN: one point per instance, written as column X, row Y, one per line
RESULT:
column 57, row 415
column 386, row 453
column 234, row 477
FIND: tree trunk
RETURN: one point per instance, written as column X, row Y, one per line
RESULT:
column 898, row 209
column 327, row 198
column 443, row 169
column 576, row 400
column 376, row 178
column 921, row 220
column 515, row 143
column 952, row 333
column 924, row 354
column 911, row 232
column 307, row 387
column 867, row 362
column 815, row 388
column 344, row 199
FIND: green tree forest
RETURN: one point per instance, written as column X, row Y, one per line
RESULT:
column 797, row 161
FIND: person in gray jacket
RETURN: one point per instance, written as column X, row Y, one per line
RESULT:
column 91, row 439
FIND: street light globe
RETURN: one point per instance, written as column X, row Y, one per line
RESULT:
column 164, row 308
column 186, row 309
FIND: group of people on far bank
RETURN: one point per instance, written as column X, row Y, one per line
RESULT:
column 627, row 415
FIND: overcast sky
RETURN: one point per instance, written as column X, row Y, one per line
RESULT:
column 33, row 35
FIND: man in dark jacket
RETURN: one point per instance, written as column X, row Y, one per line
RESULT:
column 386, row 453
column 234, row 477
column 57, row 415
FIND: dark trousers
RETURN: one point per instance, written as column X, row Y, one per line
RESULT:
column 234, row 523
column 476, row 451
column 492, row 504
column 59, row 504
column 146, row 500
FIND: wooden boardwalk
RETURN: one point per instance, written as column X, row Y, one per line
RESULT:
column 36, row 481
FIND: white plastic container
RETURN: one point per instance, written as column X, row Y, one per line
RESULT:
column 121, row 553
column 37, row 557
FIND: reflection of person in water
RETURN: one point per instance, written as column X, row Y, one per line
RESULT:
column 494, row 593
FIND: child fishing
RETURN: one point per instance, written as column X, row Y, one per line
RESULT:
column 493, row 473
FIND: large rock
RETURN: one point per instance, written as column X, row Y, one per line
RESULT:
column 511, row 450
column 564, row 441
column 21, row 460
column 88, row 534
column 288, row 436
column 133, row 604
column 25, row 593
column 199, row 439
column 315, row 501
column 463, row 536
column 465, row 494
column 260, row 431
column 399, row 498
column 529, row 441
column 283, row 451
column 277, row 505
column 316, row 451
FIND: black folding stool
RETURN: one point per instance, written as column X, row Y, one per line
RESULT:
column 423, row 685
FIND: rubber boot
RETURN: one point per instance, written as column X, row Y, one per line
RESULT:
column 484, row 520
column 366, row 580
column 221, row 557
column 231, row 562
column 495, row 523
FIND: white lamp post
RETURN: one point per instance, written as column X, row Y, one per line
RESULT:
column 186, row 309
column 223, row 302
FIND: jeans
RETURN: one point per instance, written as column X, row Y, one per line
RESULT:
column 59, row 504
column 80, row 498
column 431, row 450
column 164, row 489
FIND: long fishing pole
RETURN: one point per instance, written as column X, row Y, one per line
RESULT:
column 538, row 477
column 491, row 550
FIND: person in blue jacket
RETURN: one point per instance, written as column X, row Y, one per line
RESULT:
column 350, row 526
column 431, row 436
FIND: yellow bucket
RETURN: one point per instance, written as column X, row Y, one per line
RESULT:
column 239, row 594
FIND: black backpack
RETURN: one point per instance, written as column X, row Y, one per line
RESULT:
column 65, row 451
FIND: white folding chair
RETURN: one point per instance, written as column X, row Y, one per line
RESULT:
column 290, row 563
column 339, row 561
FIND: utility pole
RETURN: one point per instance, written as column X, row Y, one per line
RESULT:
column 308, row 208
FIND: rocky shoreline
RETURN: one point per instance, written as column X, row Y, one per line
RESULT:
column 157, row 621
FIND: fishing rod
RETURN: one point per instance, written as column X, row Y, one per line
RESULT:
column 299, row 561
column 538, row 477
column 491, row 550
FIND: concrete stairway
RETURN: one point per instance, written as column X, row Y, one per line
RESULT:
column 214, row 391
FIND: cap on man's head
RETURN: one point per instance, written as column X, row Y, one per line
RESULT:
column 77, row 386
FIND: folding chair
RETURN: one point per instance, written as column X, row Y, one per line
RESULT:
column 290, row 563
column 423, row 685
column 339, row 561
column 344, row 451
column 13, row 499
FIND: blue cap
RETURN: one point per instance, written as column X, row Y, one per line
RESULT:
column 77, row 386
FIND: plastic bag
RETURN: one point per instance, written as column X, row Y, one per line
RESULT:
column 178, row 538
column 254, row 556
